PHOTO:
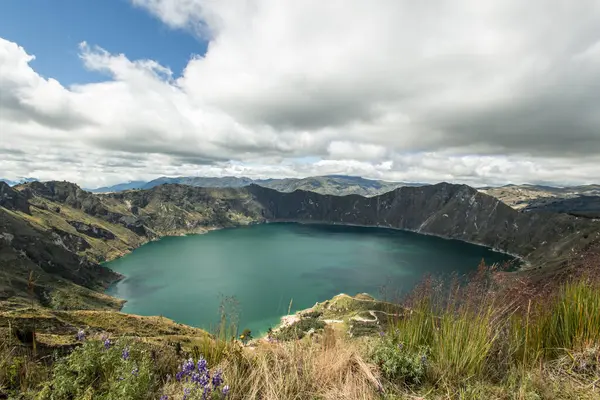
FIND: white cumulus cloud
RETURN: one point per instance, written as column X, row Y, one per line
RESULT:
column 481, row 92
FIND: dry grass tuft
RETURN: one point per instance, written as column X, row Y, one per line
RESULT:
column 331, row 368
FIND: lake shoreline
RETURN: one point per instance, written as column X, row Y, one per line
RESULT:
column 354, row 284
column 525, row 264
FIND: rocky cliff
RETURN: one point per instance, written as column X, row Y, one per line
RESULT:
column 447, row 210
column 36, row 265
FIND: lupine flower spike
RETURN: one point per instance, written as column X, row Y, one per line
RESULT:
column 200, row 377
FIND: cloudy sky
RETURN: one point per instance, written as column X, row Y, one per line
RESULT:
column 471, row 91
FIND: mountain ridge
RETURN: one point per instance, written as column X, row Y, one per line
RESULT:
column 76, row 230
column 326, row 184
column 18, row 181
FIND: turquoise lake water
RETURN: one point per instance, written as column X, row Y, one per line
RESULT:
column 266, row 266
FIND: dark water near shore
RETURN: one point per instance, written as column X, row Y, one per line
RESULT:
column 266, row 266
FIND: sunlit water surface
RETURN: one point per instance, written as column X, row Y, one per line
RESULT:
column 268, row 266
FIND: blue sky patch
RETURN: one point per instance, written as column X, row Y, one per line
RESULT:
column 52, row 31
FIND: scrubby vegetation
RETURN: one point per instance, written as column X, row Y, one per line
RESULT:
column 498, row 336
column 103, row 369
column 300, row 329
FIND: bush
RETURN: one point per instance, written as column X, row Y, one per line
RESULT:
column 299, row 329
column 103, row 370
column 312, row 314
column 20, row 372
column 359, row 328
column 399, row 363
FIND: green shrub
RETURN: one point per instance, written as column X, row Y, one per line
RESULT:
column 108, row 371
column 299, row 329
column 360, row 328
column 312, row 314
column 399, row 363
column 20, row 372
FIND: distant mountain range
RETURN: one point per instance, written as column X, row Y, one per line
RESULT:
column 119, row 187
column 338, row 185
column 18, row 181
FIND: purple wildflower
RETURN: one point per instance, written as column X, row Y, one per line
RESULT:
column 81, row 335
column 217, row 379
column 204, row 380
column 382, row 333
column 107, row 343
column 202, row 366
column 164, row 397
column 186, row 393
column 125, row 354
column 188, row 367
column 179, row 376
column 225, row 390
column 135, row 371
column 206, row 392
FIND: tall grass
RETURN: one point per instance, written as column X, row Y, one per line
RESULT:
column 568, row 322
column 480, row 330
column 417, row 327
column 222, row 342
column 462, row 343
column 459, row 341
column 459, row 323
column 574, row 322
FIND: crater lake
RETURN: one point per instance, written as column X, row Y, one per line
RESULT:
column 265, row 267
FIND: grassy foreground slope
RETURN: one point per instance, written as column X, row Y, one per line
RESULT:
column 482, row 340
